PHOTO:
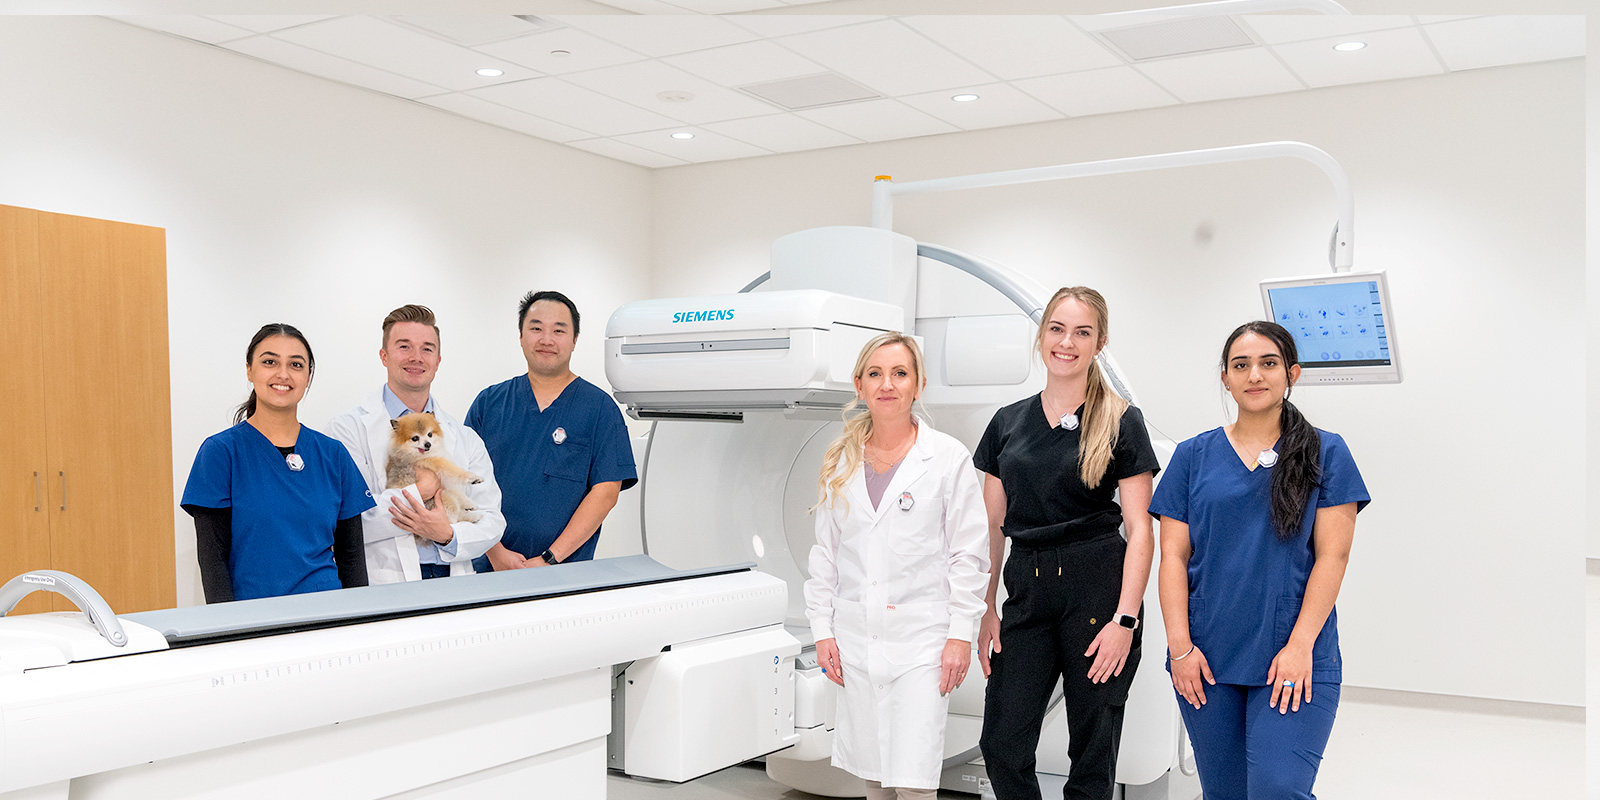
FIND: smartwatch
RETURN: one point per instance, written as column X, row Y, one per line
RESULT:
column 549, row 557
column 1128, row 621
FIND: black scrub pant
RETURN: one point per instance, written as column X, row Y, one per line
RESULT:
column 1059, row 599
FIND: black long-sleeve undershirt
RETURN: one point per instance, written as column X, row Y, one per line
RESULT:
column 213, row 536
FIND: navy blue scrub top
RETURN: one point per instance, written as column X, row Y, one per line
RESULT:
column 543, row 482
column 282, row 520
column 1047, row 503
column 1245, row 585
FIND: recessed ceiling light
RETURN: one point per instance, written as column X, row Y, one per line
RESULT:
column 491, row 72
column 683, row 135
column 1349, row 47
column 964, row 98
column 560, row 53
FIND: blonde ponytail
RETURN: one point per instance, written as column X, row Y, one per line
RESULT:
column 1102, row 411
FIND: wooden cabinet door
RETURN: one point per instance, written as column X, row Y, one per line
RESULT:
column 108, row 422
column 24, row 517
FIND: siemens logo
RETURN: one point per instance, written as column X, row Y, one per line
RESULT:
column 702, row 316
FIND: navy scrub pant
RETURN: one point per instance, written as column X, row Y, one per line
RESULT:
column 1059, row 599
column 1246, row 750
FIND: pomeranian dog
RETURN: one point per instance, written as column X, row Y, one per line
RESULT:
column 418, row 441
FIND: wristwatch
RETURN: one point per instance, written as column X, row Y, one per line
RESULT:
column 1128, row 621
column 549, row 557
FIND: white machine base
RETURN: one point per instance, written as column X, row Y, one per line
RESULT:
column 479, row 747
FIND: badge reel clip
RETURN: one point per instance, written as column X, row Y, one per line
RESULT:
column 1267, row 458
column 559, row 436
column 906, row 501
column 1069, row 422
column 295, row 462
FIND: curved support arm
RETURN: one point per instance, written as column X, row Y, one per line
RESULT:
column 71, row 587
column 884, row 190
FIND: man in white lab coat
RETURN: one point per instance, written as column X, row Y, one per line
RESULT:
column 405, row 540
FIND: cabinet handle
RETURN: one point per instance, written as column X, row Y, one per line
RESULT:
column 63, row 490
column 38, row 492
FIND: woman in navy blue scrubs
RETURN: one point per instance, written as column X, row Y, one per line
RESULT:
column 1256, row 523
column 276, row 505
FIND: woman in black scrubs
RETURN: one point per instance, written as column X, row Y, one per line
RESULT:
column 1053, row 462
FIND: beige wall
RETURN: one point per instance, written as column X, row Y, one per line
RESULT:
column 1467, row 190
column 295, row 199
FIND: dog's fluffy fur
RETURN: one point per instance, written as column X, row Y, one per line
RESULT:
column 418, row 441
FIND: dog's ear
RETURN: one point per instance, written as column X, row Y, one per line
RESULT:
column 394, row 424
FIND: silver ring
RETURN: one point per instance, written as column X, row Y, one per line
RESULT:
column 1288, row 684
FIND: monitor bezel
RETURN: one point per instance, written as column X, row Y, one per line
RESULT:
column 1344, row 376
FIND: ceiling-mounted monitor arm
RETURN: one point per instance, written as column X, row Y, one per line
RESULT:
column 1230, row 7
column 884, row 189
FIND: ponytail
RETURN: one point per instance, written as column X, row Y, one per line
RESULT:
column 1298, row 470
column 1102, row 411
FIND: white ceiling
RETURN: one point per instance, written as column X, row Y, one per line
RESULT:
column 613, row 84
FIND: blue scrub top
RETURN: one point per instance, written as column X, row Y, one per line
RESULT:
column 542, row 482
column 1246, row 585
column 283, row 520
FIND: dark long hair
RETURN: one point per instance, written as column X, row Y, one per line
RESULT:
column 1299, row 466
column 248, row 407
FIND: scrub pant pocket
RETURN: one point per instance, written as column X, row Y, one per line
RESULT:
column 1246, row 750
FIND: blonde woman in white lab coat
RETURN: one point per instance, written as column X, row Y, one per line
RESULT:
column 897, row 576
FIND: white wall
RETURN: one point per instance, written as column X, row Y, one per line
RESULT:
column 290, row 198
column 1469, row 190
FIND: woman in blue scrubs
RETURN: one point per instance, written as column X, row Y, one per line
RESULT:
column 1256, row 523
column 276, row 505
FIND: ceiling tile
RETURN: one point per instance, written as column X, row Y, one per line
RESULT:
column 323, row 65
column 1280, row 28
column 645, row 6
column 628, row 153
column 774, row 25
column 1427, row 18
column 538, row 51
column 1496, row 41
column 1214, row 76
column 556, row 100
column 705, row 146
column 266, row 23
column 1101, row 91
column 495, row 114
column 661, row 35
column 1391, row 54
column 782, row 133
column 402, row 51
column 1014, row 47
column 725, row 6
column 744, row 64
column 998, row 104
column 200, row 29
column 470, row 29
column 878, row 120
column 889, row 57
column 641, row 82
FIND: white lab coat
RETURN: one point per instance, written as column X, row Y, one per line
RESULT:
column 392, row 551
column 891, row 585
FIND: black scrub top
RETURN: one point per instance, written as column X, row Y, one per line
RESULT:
column 1046, row 502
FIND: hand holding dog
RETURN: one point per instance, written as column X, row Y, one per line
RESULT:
column 412, row 516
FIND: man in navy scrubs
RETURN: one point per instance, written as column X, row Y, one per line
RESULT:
column 558, row 443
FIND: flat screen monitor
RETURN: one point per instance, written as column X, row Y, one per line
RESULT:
column 1343, row 326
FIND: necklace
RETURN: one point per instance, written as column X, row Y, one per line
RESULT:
column 887, row 458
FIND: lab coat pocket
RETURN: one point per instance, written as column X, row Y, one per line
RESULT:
column 916, row 634
column 917, row 531
column 570, row 462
